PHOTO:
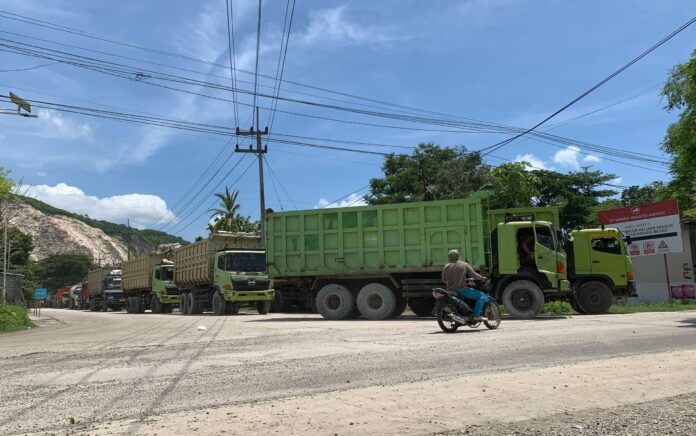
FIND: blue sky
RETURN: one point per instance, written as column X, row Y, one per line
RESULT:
column 505, row 61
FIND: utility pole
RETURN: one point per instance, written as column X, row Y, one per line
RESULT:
column 4, row 260
column 260, row 151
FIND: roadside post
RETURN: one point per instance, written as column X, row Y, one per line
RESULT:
column 39, row 297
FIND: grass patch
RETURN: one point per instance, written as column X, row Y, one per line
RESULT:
column 558, row 308
column 669, row 306
column 13, row 318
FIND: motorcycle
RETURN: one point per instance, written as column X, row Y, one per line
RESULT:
column 454, row 311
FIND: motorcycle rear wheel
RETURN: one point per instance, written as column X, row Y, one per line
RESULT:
column 443, row 319
column 492, row 315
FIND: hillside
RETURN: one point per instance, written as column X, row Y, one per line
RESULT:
column 58, row 231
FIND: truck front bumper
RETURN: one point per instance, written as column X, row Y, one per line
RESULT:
column 242, row 296
column 170, row 299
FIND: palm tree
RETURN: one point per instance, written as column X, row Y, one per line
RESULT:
column 225, row 216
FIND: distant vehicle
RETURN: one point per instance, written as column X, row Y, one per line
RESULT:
column 148, row 283
column 63, row 298
column 75, row 296
column 454, row 311
column 105, row 290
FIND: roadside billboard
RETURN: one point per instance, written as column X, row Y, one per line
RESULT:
column 654, row 228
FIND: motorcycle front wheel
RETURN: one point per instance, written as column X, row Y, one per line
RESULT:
column 443, row 317
column 492, row 315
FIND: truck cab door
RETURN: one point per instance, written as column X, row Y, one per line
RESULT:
column 607, row 258
column 545, row 252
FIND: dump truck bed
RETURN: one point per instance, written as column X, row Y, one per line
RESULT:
column 136, row 274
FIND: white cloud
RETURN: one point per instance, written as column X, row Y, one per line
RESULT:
column 535, row 162
column 616, row 181
column 351, row 200
column 332, row 25
column 592, row 158
column 41, row 174
column 568, row 157
column 141, row 209
column 59, row 126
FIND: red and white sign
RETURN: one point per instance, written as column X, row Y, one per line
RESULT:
column 654, row 228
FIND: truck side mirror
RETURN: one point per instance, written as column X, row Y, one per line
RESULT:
column 628, row 240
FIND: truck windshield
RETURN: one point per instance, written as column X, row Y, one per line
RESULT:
column 112, row 282
column 166, row 274
column 255, row 262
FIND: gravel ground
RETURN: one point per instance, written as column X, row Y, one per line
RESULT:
column 673, row 416
column 117, row 373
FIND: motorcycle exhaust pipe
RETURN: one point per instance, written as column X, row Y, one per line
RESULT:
column 459, row 319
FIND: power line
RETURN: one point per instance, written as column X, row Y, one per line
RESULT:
column 27, row 69
column 500, row 144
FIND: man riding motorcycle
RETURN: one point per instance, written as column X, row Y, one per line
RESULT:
column 456, row 274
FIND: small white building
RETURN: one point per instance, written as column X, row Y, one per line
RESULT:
column 669, row 276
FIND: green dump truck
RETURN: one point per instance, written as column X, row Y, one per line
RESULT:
column 375, row 260
column 148, row 283
column 223, row 273
column 105, row 289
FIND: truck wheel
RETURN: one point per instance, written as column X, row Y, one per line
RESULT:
column 136, row 304
column 376, row 301
column 594, row 298
column 219, row 304
column 263, row 307
column 183, row 304
column 523, row 299
column 574, row 305
column 278, row 302
column 232, row 308
column 422, row 306
column 195, row 307
column 155, row 304
column 334, row 301
column 129, row 305
column 401, row 304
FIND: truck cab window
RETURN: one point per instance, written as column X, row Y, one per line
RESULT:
column 167, row 273
column 247, row 262
column 157, row 274
column 544, row 237
column 606, row 245
column 221, row 262
column 525, row 247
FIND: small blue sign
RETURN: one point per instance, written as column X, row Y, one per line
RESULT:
column 40, row 293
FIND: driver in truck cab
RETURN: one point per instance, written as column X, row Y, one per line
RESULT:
column 456, row 274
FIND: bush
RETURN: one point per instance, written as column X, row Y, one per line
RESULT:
column 13, row 318
column 558, row 308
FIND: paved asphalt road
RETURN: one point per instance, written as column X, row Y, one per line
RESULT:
column 116, row 373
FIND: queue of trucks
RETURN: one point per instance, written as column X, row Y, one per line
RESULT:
column 375, row 261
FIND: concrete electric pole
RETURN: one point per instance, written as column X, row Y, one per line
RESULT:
column 260, row 151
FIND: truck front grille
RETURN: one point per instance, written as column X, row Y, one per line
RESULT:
column 250, row 284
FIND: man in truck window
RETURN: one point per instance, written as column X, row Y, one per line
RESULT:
column 455, row 275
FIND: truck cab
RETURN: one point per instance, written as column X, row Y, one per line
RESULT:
column 601, row 269
column 114, row 297
column 529, row 264
column 163, row 285
column 241, row 277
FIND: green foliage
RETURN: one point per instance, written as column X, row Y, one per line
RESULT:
column 431, row 172
column 579, row 192
column 62, row 270
column 6, row 184
column 513, row 185
column 21, row 245
column 668, row 306
column 246, row 224
column 654, row 191
column 558, row 308
column 225, row 216
column 13, row 318
column 143, row 241
column 680, row 141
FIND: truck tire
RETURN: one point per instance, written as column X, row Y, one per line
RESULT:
column 129, row 305
column 574, row 305
column 422, row 306
column 334, row 301
column 376, row 301
column 278, row 302
column 136, row 304
column 183, row 304
column 232, row 308
column 219, row 304
column 594, row 298
column 401, row 304
column 263, row 307
column 155, row 304
column 195, row 307
column 523, row 299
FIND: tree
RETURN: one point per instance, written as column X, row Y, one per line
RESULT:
column 513, row 185
column 577, row 192
column 225, row 216
column 431, row 172
column 635, row 194
column 680, row 140
column 62, row 269
column 21, row 245
column 6, row 184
